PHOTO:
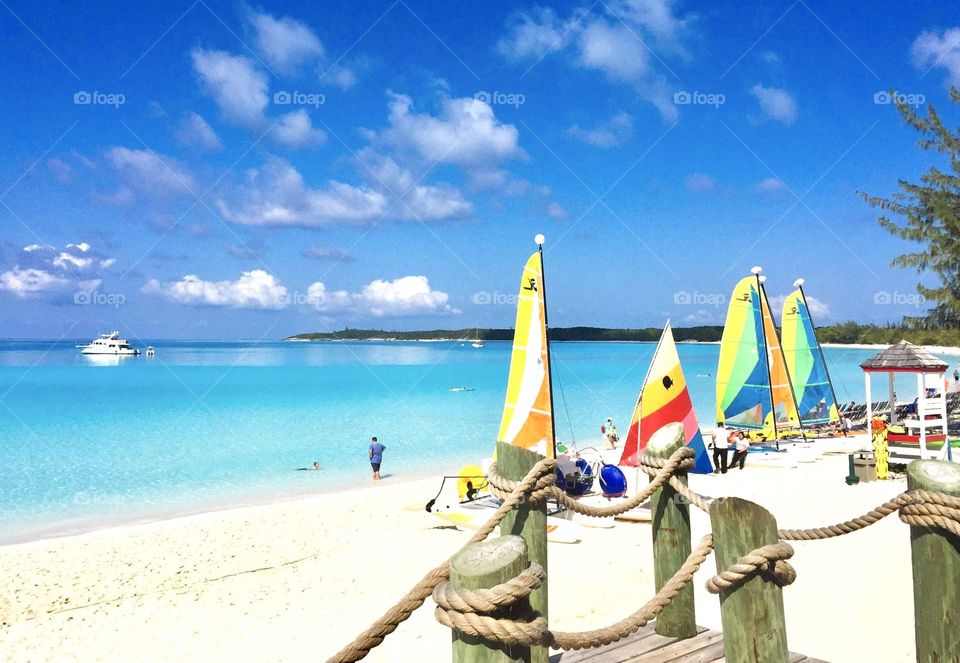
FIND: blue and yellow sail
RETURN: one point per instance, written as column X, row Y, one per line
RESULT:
column 527, row 411
column 743, row 384
column 811, row 381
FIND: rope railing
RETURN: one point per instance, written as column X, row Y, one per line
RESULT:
column 490, row 613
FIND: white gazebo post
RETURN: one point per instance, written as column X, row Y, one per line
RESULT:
column 866, row 387
column 893, row 398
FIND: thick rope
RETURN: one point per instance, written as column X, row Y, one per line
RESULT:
column 531, row 629
column 768, row 561
column 492, row 599
column 402, row 610
column 921, row 508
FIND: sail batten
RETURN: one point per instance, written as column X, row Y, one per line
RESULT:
column 527, row 413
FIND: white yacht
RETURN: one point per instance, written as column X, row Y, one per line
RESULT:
column 110, row 344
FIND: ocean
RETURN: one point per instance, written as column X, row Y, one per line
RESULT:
column 88, row 443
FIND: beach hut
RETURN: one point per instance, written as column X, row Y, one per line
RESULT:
column 928, row 421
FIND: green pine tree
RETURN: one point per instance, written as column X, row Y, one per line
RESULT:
column 929, row 214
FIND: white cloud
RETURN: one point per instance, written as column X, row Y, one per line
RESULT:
column 45, row 269
column 772, row 185
column 612, row 133
column 556, row 211
column 235, row 83
column 343, row 77
column 240, row 90
column 466, row 133
column 403, row 297
column 149, row 172
column 931, row 50
column 284, row 43
column 60, row 169
column 195, row 132
column 296, row 130
column 776, row 103
column 701, row 317
column 615, row 40
column 256, row 289
column 699, row 182
column 276, row 194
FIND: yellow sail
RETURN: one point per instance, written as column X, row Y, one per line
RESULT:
column 527, row 417
column 784, row 402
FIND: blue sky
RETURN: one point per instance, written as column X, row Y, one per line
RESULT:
column 229, row 170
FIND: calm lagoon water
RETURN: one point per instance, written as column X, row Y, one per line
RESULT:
column 203, row 425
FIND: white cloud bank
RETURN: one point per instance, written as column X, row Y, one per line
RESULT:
column 406, row 296
column 612, row 133
column 45, row 269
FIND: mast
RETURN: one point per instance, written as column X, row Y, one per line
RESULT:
column 766, row 357
column 786, row 369
column 540, row 239
column 843, row 426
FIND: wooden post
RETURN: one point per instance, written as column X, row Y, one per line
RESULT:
column 936, row 569
column 671, row 539
column 481, row 566
column 754, row 630
column 530, row 522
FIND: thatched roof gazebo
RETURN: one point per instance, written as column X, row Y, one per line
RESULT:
column 929, row 419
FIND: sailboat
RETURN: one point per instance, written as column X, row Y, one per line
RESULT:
column 477, row 341
column 812, row 388
column 754, row 391
column 527, row 419
column 664, row 399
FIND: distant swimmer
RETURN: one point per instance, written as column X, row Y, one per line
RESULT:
column 313, row 468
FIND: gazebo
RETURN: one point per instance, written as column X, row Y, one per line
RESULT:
column 929, row 419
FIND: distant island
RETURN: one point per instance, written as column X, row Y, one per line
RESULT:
column 847, row 332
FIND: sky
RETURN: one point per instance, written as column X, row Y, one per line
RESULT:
column 223, row 170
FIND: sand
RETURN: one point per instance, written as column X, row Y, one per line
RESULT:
column 297, row 580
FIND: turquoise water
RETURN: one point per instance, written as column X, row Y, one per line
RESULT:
column 206, row 425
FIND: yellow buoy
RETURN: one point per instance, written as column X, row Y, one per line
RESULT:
column 471, row 476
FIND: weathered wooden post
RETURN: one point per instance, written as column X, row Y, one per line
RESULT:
column 754, row 628
column 671, row 539
column 481, row 566
column 529, row 521
column 936, row 569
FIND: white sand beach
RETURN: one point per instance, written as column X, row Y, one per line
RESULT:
column 295, row 581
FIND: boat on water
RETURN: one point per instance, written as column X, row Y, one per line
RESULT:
column 110, row 344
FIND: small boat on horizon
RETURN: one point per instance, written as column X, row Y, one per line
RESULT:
column 110, row 344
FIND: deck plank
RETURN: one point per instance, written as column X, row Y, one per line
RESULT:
column 646, row 646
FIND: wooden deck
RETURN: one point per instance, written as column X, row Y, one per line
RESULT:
column 645, row 646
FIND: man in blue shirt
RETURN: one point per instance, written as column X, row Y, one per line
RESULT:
column 376, row 457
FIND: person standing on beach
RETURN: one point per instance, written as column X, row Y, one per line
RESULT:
column 742, row 447
column 720, row 447
column 376, row 457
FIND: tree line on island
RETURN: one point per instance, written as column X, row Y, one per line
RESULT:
column 847, row 332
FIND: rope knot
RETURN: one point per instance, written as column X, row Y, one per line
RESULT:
column 933, row 510
column 536, row 486
column 493, row 614
column 769, row 562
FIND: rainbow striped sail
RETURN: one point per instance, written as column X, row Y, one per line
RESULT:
column 781, row 389
column 527, row 414
column 811, row 381
column 743, row 381
column 664, row 399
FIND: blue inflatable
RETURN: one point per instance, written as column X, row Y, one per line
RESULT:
column 578, row 483
column 613, row 482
